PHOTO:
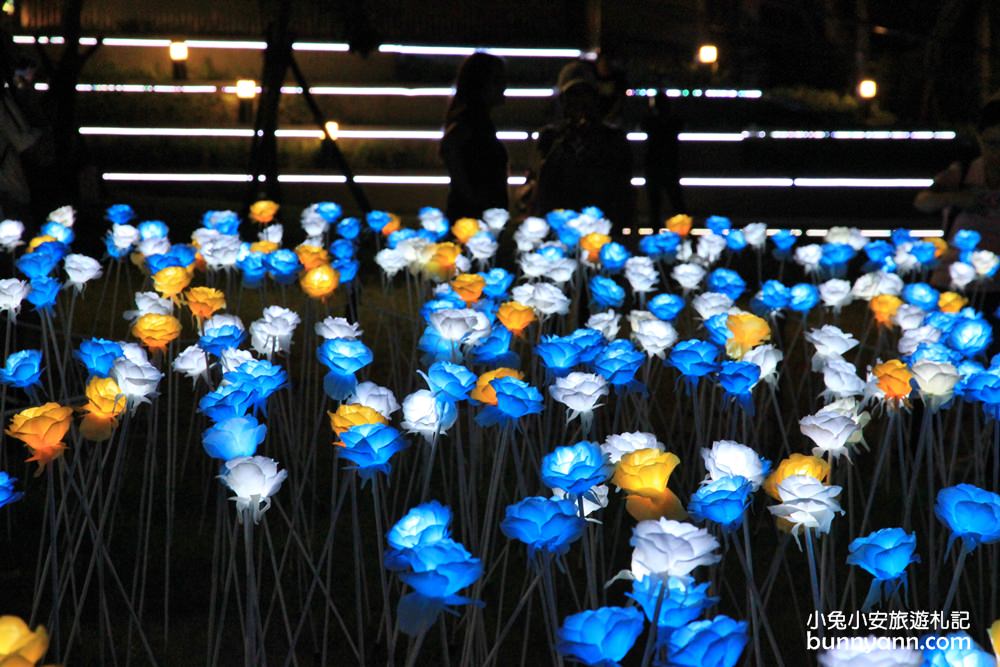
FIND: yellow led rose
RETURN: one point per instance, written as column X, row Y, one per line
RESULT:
column 205, row 302
column 353, row 414
column 19, row 646
column 264, row 247
column 893, row 379
column 42, row 429
column 263, row 211
column 171, row 281
column 796, row 464
column 645, row 472
column 37, row 241
column 468, row 286
column 105, row 402
column 883, row 307
column 748, row 331
column 156, row 331
column 312, row 256
column 464, row 229
column 516, row 316
column 441, row 262
column 592, row 244
column 680, row 224
column 320, row 282
column 484, row 391
column 951, row 302
column 940, row 246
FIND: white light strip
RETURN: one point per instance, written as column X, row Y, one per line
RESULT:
column 866, row 135
column 388, row 179
column 732, row 182
column 334, row 47
column 863, row 182
column 504, row 52
column 250, row 45
column 246, row 133
column 712, row 136
column 127, row 41
column 752, row 94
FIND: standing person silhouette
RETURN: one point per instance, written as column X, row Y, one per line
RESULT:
column 662, row 157
column 475, row 158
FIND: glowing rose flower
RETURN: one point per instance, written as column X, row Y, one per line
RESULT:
column 710, row 247
column 592, row 243
column 124, row 237
column 748, row 331
column 253, row 480
column 653, row 335
column 580, row 393
column 380, row 399
column 951, row 302
column 530, row 233
column 709, row 304
column 265, row 247
column 12, row 294
column 688, row 276
column 796, row 464
column 19, row 646
column 338, row 327
column 807, row 503
column 545, row 298
column 893, row 380
column 460, row 325
column 618, row 445
column 850, row 408
column 873, row 284
column 515, row 316
column 262, row 212
column 496, row 219
column 11, row 232
column 156, row 331
column 484, row 391
column 829, row 431
column 80, row 270
column 668, row 548
column 680, row 224
column 831, row 342
column 914, row 338
column 320, row 282
column 727, row 458
column 311, row 256
column 643, row 474
column 192, row 362
column 272, row 333
column 642, row 274
column 908, row 317
column 171, row 281
column 137, row 379
column 836, row 294
column 427, row 414
column 841, row 379
column 42, row 429
column 221, row 251
column 809, row 256
column 767, row 358
column 884, row 307
column 205, row 301
column 464, row 229
column 961, row 274
column 468, row 286
column 482, row 247
column 935, row 381
column 353, row 414
column 105, row 402
column 149, row 302
column 755, row 234
column 607, row 323
column 232, row 358
column 442, row 259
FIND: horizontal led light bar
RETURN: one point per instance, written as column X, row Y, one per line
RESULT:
column 390, row 179
column 751, row 94
column 502, row 51
column 816, row 232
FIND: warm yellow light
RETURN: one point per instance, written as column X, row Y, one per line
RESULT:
column 867, row 89
column 178, row 51
column 246, row 89
column 332, row 127
column 708, row 54
column 8, row 7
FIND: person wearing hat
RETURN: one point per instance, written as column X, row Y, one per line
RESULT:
column 582, row 161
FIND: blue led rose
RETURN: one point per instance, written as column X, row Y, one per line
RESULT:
column 22, row 369
column 618, row 362
column 606, row 293
column 43, row 293
column 600, row 636
column 97, row 355
column 452, row 381
column 715, row 643
column 370, row 447
column 544, row 524
column 8, row 494
column 694, row 359
column 722, row 501
column 226, row 401
column 972, row 514
column 576, row 469
column 666, row 306
column 726, row 281
column 233, row 437
column 683, row 600
column 613, row 256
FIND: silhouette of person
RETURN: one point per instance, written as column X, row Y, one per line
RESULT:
column 475, row 158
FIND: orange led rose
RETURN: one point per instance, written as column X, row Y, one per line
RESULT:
column 19, row 646
column 940, row 246
column 263, row 211
column 441, row 262
column 105, row 402
column 468, row 286
column 796, row 464
column 748, row 331
column 651, row 508
column 392, row 226
column 320, row 282
column 484, row 391
column 156, row 331
column 516, row 316
column 951, row 302
column 464, row 229
column 312, row 256
column 893, row 379
column 37, row 241
column 883, row 307
column 592, row 244
column 171, row 281
column 645, row 472
column 205, row 302
column 42, row 429
column 353, row 414
column 264, row 247
column 680, row 224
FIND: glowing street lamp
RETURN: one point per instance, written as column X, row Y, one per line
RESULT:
column 246, row 91
column 178, row 57
column 708, row 54
column 867, row 89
